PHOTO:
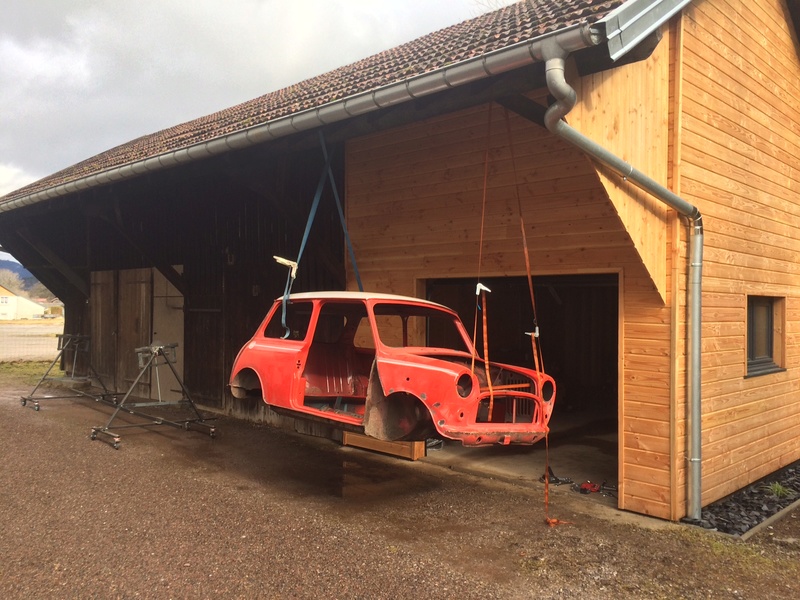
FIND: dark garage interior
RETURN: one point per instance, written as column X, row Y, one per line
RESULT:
column 578, row 321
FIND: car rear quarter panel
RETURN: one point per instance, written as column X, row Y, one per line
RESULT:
column 278, row 364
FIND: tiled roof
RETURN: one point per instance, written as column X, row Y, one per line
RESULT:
column 518, row 22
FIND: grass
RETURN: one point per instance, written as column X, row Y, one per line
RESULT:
column 738, row 555
column 779, row 490
column 56, row 321
column 24, row 372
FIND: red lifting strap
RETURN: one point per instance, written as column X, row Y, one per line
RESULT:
column 538, row 360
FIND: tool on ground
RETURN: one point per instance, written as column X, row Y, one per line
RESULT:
column 551, row 477
column 589, row 487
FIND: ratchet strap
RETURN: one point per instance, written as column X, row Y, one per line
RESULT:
column 327, row 173
column 538, row 360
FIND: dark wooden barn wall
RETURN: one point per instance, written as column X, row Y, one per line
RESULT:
column 222, row 220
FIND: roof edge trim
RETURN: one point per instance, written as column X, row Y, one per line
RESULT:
column 634, row 20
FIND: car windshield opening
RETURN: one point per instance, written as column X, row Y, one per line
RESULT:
column 400, row 326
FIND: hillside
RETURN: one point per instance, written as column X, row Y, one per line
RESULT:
column 30, row 284
column 17, row 268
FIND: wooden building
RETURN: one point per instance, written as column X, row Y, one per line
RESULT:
column 660, row 217
column 14, row 307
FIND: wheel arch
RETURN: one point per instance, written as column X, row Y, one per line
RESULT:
column 398, row 416
column 246, row 383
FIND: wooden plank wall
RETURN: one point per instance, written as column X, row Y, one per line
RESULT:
column 120, row 316
column 103, row 324
column 414, row 200
column 414, row 203
column 677, row 251
column 626, row 111
column 739, row 146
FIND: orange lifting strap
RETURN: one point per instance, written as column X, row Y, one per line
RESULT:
column 538, row 360
column 480, row 290
column 480, row 303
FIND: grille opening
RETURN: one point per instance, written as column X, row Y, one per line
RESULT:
column 508, row 409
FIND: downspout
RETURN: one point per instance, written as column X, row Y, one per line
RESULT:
column 566, row 98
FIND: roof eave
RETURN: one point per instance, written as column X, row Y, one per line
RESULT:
column 571, row 39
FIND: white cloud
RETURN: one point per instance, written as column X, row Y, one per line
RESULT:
column 43, row 62
column 12, row 178
column 79, row 77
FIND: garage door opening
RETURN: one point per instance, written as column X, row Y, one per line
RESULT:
column 578, row 318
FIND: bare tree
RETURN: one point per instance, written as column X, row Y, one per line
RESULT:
column 38, row 290
column 12, row 282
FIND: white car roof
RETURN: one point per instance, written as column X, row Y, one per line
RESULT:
column 359, row 296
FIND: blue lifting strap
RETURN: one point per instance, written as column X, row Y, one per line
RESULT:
column 327, row 172
column 293, row 265
column 341, row 214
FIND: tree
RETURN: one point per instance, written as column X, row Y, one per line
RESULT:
column 12, row 282
column 38, row 290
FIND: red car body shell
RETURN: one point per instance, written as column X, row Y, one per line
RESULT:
column 388, row 390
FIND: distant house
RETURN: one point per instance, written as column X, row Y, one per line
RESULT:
column 13, row 307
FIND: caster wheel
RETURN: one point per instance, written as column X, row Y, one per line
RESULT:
column 36, row 407
column 93, row 436
column 24, row 402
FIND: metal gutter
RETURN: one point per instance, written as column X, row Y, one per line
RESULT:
column 566, row 99
column 494, row 63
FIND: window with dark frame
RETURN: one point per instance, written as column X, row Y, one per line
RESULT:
column 762, row 357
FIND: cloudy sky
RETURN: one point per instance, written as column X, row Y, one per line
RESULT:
column 80, row 76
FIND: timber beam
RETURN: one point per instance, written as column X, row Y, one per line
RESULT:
column 78, row 282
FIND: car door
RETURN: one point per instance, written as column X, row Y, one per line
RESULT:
column 281, row 353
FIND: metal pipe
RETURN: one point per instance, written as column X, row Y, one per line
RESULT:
column 566, row 99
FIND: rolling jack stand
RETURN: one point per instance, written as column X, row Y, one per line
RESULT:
column 73, row 345
column 149, row 357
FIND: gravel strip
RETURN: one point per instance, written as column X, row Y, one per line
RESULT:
column 258, row 513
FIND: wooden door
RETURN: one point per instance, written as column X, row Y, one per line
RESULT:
column 134, row 327
column 103, row 318
column 167, row 329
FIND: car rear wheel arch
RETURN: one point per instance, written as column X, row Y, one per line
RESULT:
column 246, row 384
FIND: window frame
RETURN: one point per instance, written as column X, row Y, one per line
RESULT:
column 771, row 360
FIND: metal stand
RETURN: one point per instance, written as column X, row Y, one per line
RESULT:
column 74, row 345
column 149, row 357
